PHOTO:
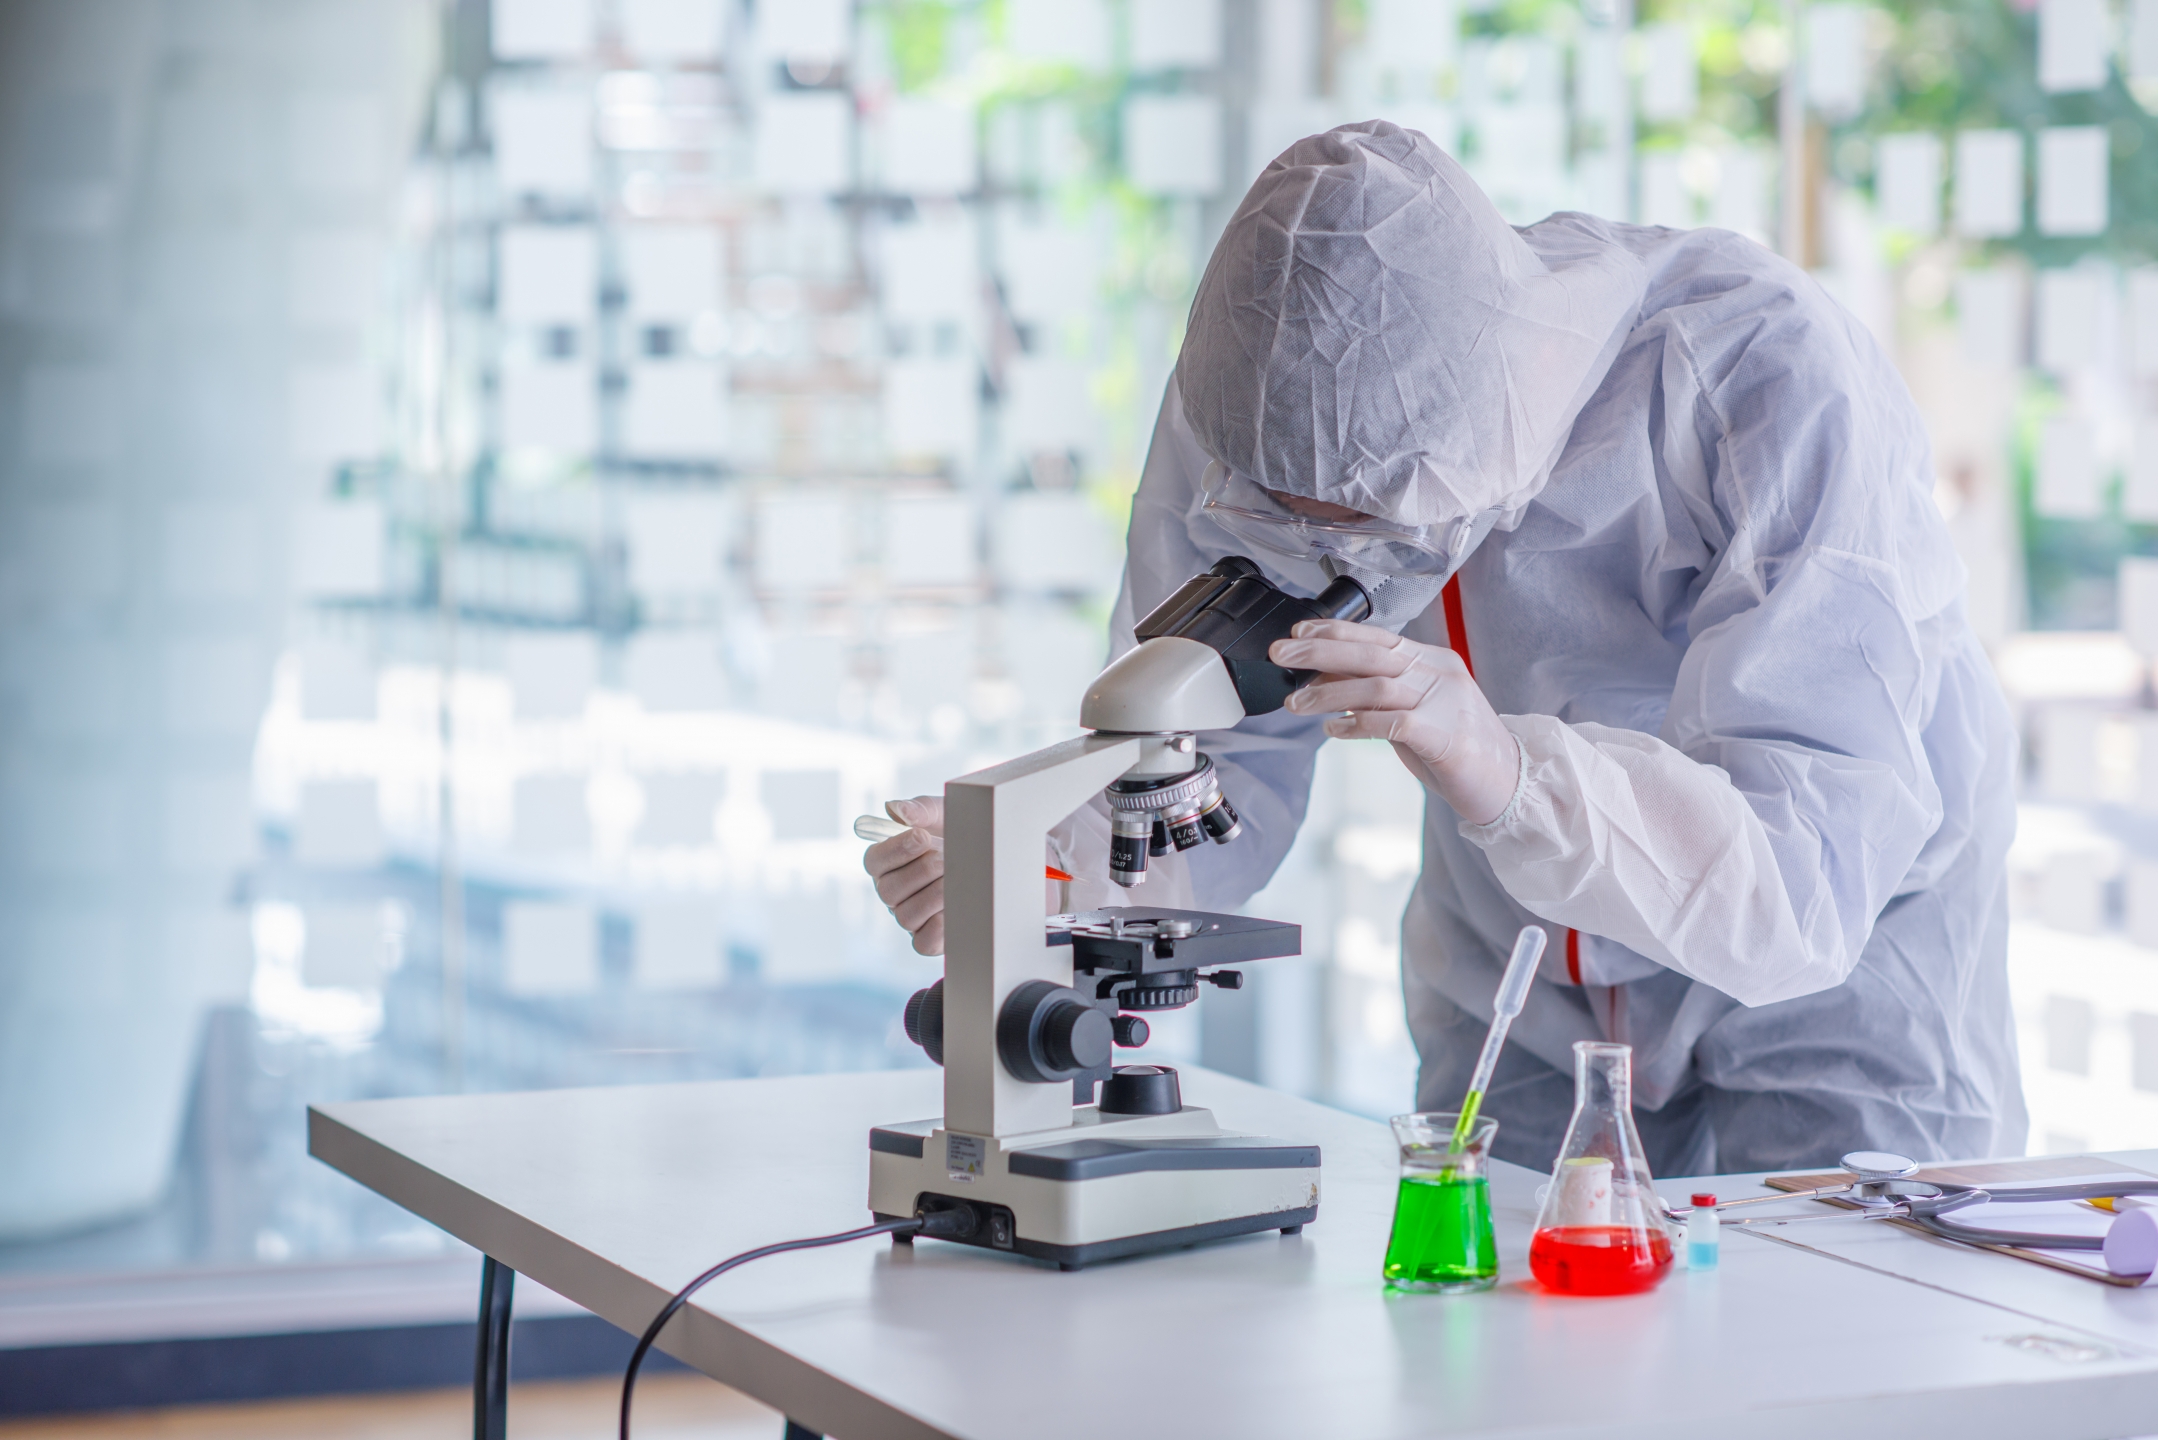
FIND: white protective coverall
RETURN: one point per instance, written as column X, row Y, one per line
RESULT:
column 1765, row 791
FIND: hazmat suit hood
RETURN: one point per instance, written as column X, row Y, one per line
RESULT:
column 1370, row 332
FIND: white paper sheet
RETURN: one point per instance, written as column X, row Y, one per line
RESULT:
column 552, row 675
column 2068, row 470
column 2139, row 499
column 677, row 544
column 679, row 945
column 803, row 804
column 674, row 272
column 549, row 274
column 549, row 948
column 680, row 809
column 1412, row 40
column 2072, row 180
column 1989, row 183
column 1670, row 74
column 2138, row 602
column 2073, row 45
column 346, row 947
column 930, row 407
column 676, row 410
column 339, row 549
column 543, row 141
column 803, row 542
column 2142, row 57
column 929, row 148
column 806, row 30
column 540, row 29
column 675, row 670
column 1989, row 308
column 672, row 31
column 1054, row 542
column 1045, row 405
column 931, row 541
column 337, row 682
column 551, row 817
column 2070, row 304
column 339, row 824
column 930, row 273
column 1907, row 182
column 1177, row 34
column 1665, row 200
column 1068, row 32
column 1172, row 144
column 805, row 143
column 550, row 406
column 1836, row 68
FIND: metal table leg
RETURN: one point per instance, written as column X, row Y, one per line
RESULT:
column 491, row 1362
column 800, row 1432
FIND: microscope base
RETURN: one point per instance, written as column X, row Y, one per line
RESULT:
column 1101, row 1189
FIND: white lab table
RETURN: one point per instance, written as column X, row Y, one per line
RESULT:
column 616, row 1197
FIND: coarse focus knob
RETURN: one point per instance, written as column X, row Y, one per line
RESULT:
column 1048, row 1032
column 925, row 1020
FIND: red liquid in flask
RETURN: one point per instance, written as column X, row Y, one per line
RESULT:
column 1599, row 1259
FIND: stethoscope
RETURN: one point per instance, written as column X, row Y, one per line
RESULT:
column 1881, row 1188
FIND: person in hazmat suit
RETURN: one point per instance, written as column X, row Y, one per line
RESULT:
column 1666, row 624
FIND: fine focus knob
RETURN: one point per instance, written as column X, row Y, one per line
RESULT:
column 1131, row 1032
column 925, row 1020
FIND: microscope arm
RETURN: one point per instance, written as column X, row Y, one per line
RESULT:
column 995, row 822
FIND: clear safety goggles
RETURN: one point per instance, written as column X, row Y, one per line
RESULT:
column 1263, row 518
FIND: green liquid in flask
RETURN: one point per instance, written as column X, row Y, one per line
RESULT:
column 1442, row 1235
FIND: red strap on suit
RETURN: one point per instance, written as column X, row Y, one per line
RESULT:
column 1457, row 639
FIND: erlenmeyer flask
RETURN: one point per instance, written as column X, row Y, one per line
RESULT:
column 1601, row 1230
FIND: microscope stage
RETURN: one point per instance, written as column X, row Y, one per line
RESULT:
column 1136, row 939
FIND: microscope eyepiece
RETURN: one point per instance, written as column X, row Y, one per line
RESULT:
column 1234, row 609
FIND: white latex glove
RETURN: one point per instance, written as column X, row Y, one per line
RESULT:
column 1418, row 696
column 909, row 870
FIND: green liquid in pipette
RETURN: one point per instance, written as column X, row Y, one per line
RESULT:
column 1466, row 1125
column 1442, row 1233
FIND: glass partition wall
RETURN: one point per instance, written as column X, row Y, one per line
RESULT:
column 491, row 490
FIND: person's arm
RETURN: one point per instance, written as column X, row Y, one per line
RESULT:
column 1753, row 843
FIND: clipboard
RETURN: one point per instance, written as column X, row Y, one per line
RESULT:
column 2034, row 1170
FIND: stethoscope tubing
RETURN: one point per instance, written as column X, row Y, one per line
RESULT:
column 1949, row 1229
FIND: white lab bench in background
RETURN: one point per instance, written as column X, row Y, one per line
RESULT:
column 616, row 1197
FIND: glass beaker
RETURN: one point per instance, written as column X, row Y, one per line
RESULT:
column 1601, row 1230
column 1442, row 1242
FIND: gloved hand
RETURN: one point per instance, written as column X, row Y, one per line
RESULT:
column 1418, row 696
column 909, row 870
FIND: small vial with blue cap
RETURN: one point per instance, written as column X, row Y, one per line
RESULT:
column 1703, row 1233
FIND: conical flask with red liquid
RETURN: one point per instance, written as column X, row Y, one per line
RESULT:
column 1601, row 1230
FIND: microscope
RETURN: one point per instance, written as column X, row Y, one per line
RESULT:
column 1029, row 1012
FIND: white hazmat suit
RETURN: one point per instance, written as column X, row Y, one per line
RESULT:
column 1764, row 795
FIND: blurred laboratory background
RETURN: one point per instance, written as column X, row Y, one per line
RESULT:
column 488, row 491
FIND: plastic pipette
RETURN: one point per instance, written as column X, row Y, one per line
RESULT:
column 874, row 828
column 1513, row 990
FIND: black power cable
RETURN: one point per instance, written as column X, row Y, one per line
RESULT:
column 954, row 1222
